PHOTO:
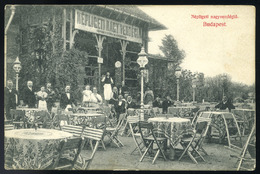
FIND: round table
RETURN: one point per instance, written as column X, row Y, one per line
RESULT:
column 174, row 126
column 32, row 149
column 82, row 118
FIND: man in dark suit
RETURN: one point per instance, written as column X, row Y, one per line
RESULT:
column 166, row 103
column 67, row 100
column 225, row 104
column 11, row 98
column 120, row 107
column 51, row 96
column 29, row 98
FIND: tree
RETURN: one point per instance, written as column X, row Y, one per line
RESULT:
column 174, row 55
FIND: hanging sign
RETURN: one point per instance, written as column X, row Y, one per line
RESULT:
column 118, row 64
column 99, row 60
column 104, row 26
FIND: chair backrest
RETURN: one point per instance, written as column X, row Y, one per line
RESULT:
column 9, row 127
column 75, row 143
column 75, row 130
column 99, row 122
column 130, row 112
column 17, row 115
column 81, row 110
column 145, row 128
column 93, row 133
column 133, row 119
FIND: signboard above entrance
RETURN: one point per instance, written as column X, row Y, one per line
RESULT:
column 99, row 25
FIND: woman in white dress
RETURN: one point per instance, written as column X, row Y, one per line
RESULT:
column 41, row 96
column 86, row 96
column 108, row 81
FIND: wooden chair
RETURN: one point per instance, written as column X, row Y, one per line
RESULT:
column 99, row 122
column 62, row 119
column 70, row 144
column 148, row 136
column 202, row 132
column 248, row 158
column 18, row 119
column 112, row 132
column 187, row 141
column 133, row 120
column 75, row 130
column 43, row 118
column 9, row 127
column 92, row 134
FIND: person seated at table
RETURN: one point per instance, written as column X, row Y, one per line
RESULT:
column 86, row 96
column 148, row 97
column 166, row 103
column 225, row 104
column 29, row 98
column 130, row 103
column 157, row 102
column 95, row 98
column 51, row 97
column 120, row 107
column 114, row 96
column 41, row 97
column 10, row 97
column 67, row 100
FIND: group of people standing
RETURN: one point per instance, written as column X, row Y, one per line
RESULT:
column 43, row 99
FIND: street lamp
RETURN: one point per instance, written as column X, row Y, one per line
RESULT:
column 17, row 68
column 194, row 88
column 178, row 74
column 142, row 61
column 224, row 78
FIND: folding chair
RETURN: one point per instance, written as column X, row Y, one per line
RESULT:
column 148, row 136
column 43, row 118
column 18, row 118
column 242, row 159
column 136, row 135
column 202, row 127
column 62, row 119
column 9, row 127
column 112, row 132
column 75, row 143
column 186, row 141
column 75, row 130
column 99, row 122
column 92, row 134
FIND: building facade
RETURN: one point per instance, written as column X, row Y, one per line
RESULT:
column 111, row 36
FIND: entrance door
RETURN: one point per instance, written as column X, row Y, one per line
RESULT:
column 91, row 71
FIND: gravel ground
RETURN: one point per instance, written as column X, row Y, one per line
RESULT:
column 120, row 159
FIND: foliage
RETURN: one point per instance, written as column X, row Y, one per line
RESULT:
column 175, row 56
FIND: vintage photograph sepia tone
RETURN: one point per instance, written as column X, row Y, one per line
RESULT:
column 129, row 87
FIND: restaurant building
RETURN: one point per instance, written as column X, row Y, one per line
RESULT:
column 112, row 37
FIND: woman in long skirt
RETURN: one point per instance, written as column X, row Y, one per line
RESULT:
column 41, row 96
column 108, row 81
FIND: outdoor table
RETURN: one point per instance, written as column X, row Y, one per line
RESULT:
column 181, row 111
column 29, row 114
column 32, row 149
column 82, row 118
column 223, row 124
column 173, row 126
column 147, row 112
column 247, row 116
column 89, row 109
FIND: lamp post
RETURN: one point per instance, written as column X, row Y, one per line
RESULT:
column 17, row 68
column 178, row 74
column 142, row 61
column 194, row 89
column 224, row 78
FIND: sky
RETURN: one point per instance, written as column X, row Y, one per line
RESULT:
column 227, row 49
